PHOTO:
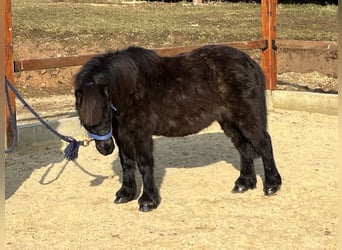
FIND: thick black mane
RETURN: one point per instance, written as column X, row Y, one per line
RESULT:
column 134, row 60
column 108, row 70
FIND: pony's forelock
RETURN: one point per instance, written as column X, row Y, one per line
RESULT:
column 91, row 106
column 88, row 85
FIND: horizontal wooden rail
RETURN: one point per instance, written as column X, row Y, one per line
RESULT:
column 300, row 44
column 53, row 62
column 244, row 45
column 67, row 61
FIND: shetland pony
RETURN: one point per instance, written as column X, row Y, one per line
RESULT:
column 133, row 94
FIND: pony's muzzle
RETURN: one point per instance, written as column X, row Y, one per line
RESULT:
column 105, row 147
column 104, row 143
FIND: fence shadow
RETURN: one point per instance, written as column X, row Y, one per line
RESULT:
column 20, row 164
column 38, row 148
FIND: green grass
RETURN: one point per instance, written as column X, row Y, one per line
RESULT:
column 107, row 24
column 307, row 22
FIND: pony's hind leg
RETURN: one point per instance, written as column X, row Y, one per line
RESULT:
column 272, row 177
column 260, row 140
column 247, row 179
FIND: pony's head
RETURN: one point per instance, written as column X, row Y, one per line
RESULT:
column 95, row 113
column 103, row 80
column 94, row 107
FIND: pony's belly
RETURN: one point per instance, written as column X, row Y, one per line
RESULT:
column 182, row 127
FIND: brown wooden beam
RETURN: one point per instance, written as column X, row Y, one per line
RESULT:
column 197, row 2
column 60, row 62
column 244, row 45
column 300, row 44
column 9, row 68
column 53, row 62
column 2, row 124
column 269, row 59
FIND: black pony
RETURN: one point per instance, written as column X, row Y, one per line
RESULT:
column 134, row 93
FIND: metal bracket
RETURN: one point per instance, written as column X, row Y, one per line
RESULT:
column 15, row 67
column 265, row 45
column 274, row 46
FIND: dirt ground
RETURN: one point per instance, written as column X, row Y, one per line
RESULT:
column 55, row 204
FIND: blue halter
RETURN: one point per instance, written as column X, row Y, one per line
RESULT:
column 101, row 137
column 106, row 136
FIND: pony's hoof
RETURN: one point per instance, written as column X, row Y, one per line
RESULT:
column 146, row 207
column 271, row 190
column 239, row 189
column 242, row 184
column 120, row 200
column 148, row 202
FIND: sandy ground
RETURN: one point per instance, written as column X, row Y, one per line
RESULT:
column 55, row 204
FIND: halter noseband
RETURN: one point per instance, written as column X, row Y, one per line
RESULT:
column 101, row 137
column 106, row 136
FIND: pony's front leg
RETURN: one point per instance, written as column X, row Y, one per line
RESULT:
column 128, row 190
column 150, row 197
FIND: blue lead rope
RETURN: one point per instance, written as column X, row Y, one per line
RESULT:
column 70, row 152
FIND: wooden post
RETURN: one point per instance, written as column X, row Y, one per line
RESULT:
column 197, row 2
column 269, row 60
column 2, row 125
column 9, row 68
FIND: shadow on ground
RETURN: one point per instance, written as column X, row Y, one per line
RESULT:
column 200, row 150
